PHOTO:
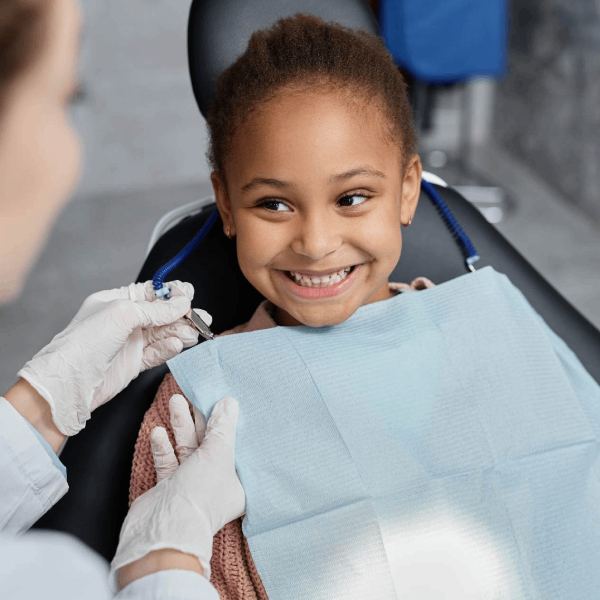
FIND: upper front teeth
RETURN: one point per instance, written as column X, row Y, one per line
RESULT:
column 322, row 281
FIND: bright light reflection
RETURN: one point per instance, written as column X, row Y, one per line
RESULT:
column 443, row 557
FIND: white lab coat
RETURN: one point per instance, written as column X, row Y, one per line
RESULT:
column 51, row 565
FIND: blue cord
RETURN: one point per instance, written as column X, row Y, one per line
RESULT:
column 158, row 281
column 467, row 248
column 469, row 253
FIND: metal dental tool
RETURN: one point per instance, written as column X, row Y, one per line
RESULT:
column 197, row 323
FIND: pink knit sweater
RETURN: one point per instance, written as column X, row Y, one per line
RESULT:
column 233, row 573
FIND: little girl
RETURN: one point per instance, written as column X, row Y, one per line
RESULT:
column 312, row 149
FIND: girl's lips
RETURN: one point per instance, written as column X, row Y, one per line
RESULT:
column 324, row 292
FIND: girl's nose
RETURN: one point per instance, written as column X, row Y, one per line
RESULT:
column 316, row 237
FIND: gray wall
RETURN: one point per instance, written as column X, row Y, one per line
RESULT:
column 139, row 122
column 548, row 106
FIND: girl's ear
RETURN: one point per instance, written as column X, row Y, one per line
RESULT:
column 223, row 203
column 411, row 189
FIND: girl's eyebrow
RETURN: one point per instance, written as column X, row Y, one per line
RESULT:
column 364, row 170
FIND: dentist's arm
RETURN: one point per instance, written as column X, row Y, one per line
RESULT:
column 211, row 493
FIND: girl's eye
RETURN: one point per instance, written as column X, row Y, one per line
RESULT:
column 275, row 206
column 349, row 199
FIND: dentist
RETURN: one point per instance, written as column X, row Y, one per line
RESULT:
column 115, row 335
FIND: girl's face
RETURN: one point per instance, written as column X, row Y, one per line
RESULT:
column 316, row 196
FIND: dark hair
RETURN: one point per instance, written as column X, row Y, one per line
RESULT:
column 22, row 34
column 299, row 52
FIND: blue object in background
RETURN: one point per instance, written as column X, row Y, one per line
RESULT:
column 445, row 41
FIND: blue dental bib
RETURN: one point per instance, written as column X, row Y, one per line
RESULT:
column 439, row 444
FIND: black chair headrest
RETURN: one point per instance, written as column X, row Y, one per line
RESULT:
column 219, row 30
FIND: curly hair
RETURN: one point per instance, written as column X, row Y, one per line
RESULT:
column 22, row 35
column 304, row 52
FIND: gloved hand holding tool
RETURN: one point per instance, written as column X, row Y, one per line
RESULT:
column 115, row 335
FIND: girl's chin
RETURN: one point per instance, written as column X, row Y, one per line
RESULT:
column 316, row 317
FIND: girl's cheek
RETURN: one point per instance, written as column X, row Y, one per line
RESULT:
column 259, row 242
column 381, row 234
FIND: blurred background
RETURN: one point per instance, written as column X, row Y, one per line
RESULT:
column 514, row 123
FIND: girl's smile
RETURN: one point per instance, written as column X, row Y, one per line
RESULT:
column 314, row 284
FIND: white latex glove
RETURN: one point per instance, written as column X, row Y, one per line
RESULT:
column 188, row 437
column 115, row 335
column 185, row 510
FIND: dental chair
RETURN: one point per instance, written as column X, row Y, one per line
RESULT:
column 98, row 459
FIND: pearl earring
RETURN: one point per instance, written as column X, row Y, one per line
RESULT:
column 227, row 231
column 409, row 221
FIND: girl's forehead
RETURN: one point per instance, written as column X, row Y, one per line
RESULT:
column 316, row 110
column 320, row 132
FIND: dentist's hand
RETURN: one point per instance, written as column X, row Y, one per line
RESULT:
column 191, row 501
column 188, row 437
column 115, row 335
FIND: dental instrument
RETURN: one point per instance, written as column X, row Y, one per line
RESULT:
column 198, row 323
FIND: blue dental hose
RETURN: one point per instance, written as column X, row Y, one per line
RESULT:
column 158, row 281
column 462, row 239
column 469, row 253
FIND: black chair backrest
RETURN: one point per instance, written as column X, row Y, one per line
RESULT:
column 98, row 459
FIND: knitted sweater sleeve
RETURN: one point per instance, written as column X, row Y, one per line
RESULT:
column 143, row 473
